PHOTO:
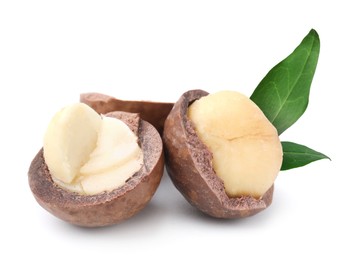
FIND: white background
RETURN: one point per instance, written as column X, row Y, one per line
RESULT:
column 51, row 51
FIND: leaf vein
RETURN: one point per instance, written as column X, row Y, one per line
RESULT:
column 291, row 88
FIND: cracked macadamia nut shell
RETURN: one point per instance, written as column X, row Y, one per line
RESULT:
column 109, row 207
column 153, row 112
column 189, row 165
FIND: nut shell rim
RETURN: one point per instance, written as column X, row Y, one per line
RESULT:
column 189, row 165
column 106, row 208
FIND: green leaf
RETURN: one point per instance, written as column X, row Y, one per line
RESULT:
column 283, row 93
column 297, row 155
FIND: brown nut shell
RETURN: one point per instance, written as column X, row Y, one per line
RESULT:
column 153, row 112
column 109, row 207
column 189, row 165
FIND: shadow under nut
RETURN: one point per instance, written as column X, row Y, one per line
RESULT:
column 189, row 165
column 105, row 208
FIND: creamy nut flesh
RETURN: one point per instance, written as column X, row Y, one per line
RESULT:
column 88, row 153
column 247, row 153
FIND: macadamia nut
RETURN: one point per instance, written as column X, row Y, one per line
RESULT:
column 247, row 153
column 88, row 153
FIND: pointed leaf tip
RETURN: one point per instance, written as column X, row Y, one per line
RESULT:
column 297, row 155
column 283, row 94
